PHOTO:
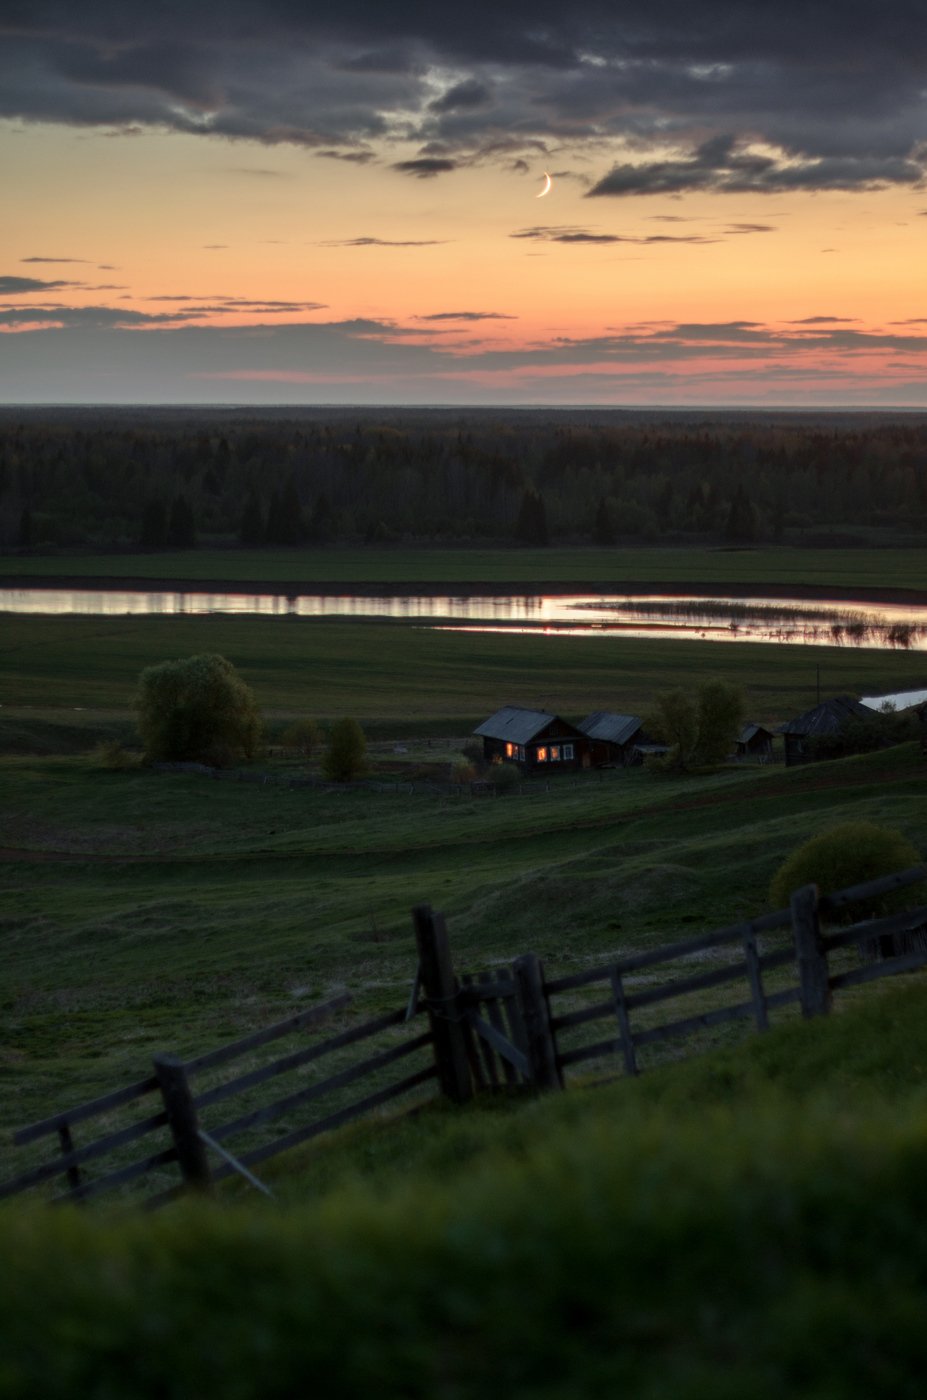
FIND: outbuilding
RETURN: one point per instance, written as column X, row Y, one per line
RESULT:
column 823, row 720
column 612, row 737
column 755, row 742
column 534, row 739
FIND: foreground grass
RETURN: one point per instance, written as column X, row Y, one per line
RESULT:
column 748, row 1225
column 864, row 569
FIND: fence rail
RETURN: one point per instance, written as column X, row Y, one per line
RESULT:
column 504, row 1028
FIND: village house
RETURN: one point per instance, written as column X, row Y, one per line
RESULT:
column 534, row 739
column 612, row 738
column 823, row 720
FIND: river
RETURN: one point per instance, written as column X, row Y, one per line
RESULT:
column 798, row 621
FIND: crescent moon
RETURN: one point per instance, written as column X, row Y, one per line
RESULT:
column 546, row 189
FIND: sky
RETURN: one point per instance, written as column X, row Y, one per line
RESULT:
column 291, row 202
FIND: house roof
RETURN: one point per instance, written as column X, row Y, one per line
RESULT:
column 515, row 725
column 613, row 729
column 828, row 717
column 750, row 731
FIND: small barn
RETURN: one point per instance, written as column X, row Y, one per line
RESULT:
column 825, row 719
column 612, row 737
column 534, row 739
column 754, row 742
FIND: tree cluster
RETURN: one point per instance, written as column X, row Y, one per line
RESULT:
column 168, row 479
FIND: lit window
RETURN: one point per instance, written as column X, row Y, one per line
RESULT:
column 509, row 750
column 542, row 755
column 555, row 754
column 567, row 751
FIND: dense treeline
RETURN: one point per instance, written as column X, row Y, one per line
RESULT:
column 154, row 479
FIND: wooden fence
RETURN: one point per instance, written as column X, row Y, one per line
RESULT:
column 495, row 1029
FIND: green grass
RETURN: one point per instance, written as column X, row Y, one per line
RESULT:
column 410, row 677
column 146, row 912
column 744, row 1225
column 863, row 569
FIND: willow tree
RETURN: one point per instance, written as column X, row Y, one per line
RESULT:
column 197, row 709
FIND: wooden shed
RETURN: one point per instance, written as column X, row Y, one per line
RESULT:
column 612, row 737
column 534, row 739
column 827, row 718
column 755, row 742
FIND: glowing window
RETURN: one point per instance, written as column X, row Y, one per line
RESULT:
column 509, row 750
column 555, row 754
column 542, row 755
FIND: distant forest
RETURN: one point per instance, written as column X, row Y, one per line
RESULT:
column 124, row 479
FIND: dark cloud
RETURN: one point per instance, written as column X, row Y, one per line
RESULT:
column 827, row 321
column 57, row 260
column 462, row 97
column 467, row 316
column 733, row 229
column 425, row 167
column 20, row 286
column 801, row 97
column 367, row 242
column 724, row 165
column 563, row 234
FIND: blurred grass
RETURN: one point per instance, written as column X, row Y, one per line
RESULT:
column 747, row 1225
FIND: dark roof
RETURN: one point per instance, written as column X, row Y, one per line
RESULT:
column 828, row 717
column 613, row 729
column 750, row 731
column 515, row 725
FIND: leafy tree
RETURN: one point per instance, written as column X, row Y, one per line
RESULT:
column 26, row 536
column 346, row 755
column 531, row 526
column 197, row 709
column 700, row 726
column 845, row 855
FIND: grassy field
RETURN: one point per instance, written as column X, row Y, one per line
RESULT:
column 412, row 679
column 860, row 569
column 146, row 911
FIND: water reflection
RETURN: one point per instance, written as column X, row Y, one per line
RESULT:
column 795, row 621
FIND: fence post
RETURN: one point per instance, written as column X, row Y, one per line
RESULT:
column 440, row 988
column 183, row 1122
column 809, row 950
column 532, row 1002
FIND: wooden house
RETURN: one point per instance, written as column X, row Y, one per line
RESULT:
column 825, row 719
column 534, row 739
column 612, row 737
column 755, row 742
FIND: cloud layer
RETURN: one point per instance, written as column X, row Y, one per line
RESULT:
column 674, row 96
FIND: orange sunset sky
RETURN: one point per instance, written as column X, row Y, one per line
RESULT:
column 275, row 203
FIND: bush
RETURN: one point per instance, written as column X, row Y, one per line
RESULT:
column 304, row 735
column 462, row 771
column 113, row 755
column 504, row 777
column 197, row 709
column 346, row 755
column 844, row 855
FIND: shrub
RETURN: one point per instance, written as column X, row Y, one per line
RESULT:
column 346, row 755
column 304, row 735
column 844, row 855
column 504, row 777
column 113, row 755
column 462, row 771
column 197, row 709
